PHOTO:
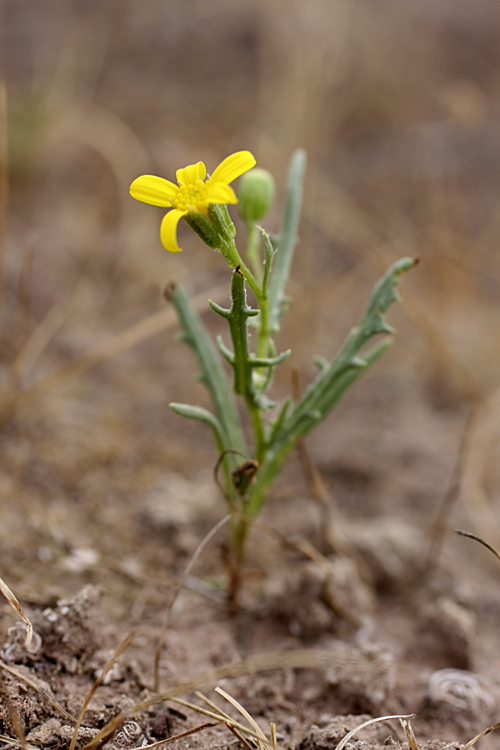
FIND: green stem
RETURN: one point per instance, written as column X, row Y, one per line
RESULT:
column 233, row 258
column 263, row 338
column 258, row 427
column 253, row 251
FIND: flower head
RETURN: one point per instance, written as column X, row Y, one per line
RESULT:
column 192, row 194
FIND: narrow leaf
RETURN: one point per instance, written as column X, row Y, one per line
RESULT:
column 202, row 415
column 287, row 239
column 198, row 338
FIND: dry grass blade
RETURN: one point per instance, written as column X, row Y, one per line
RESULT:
column 174, row 737
column 299, row 659
column 9, row 742
column 32, row 683
column 262, row 740
column 273, row 735
column 239, row 736
column 212, row 705
column 109, row 664
column 13, row 715
column 5, row 590
column 481, row 541
column 478, row 737
column 351, row 734
column 217, row 714
column 180, row 583
column 409, row 734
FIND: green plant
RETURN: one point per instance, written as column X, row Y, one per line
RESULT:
column 249, row 472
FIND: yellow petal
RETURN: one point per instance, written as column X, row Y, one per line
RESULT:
column 153, row 190
column 233, row 166
column 168, row 230
column 220, row 193
column 191, row 174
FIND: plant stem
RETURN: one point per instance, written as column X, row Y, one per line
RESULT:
column 253, row 251
column 258, row 427
column 231, row 254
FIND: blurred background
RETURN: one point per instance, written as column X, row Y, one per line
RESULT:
column 398, row 108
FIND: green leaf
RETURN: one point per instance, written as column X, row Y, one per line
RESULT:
column 331, row 383
column 200, row 414
column 287, row 239
column 212, row 371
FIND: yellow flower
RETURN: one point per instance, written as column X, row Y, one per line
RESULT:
column 192, row 193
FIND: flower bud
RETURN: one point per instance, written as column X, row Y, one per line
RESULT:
column 255, row 194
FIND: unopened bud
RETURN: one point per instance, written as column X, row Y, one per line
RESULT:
column 255, row 194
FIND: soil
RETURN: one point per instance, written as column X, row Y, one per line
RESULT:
column 102, row 532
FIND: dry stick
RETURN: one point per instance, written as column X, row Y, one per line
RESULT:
column 451, row 496
column 480, row 736
column 481, row 541
column 166, row 623
column 5, row 590
column 32, row 683
column 123, row 341
column 109, row 664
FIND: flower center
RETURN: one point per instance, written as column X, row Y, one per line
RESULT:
column 192, row 197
